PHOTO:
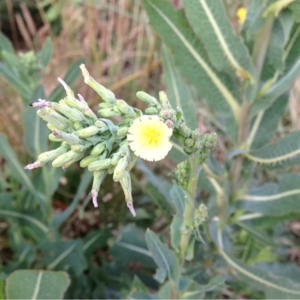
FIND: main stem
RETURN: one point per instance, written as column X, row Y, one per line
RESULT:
column 189, row 209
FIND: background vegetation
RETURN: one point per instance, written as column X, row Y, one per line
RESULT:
column 250, row 184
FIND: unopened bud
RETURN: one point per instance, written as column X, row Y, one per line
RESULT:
column 170, row 124
column 72, row 161
column 32, row 166
column 52, row 138
column 100, row 165
column 75, row 103
column 87, row 160
column 126, row 186
column 67, row 137
column 65, row 158
column 122, row 131
column 120, row 168
column 151, row 111
column 87, row 132
column 50, row 155
column 77, row 125
column 89, row 113
column 98, row 178
column 51, row 126
column 68, row 90
column 184, row 130
column 71, row 113
column 189, row 142
column 164, row 99
column 100, row 124
column 125, row 109
column 49, row 115
column 151, row 101
column 108, row 112
column 132, row 161
column 98, row 149
column 106, row 105
column 81, row 147
column 104, row 93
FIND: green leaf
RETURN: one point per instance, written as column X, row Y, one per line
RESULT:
column 190, row 57
column 164, row 258
column 226, row 51
column 46, row 53
column 72, row 75
column 36, row 131
column 64, row 255
column 292, row 49
column 271, row 199
column 8, row 154
column 96, row 239
column 266, row 123
column 286, row 148
column 5, row 44
column 85, row 181
column 34, row 284
column 273, row 287
column 278, row 89
column 15, row 81
column 275, row 8
column 178, row 91
column 193, row 290
column 132, row 247
column 178, row 199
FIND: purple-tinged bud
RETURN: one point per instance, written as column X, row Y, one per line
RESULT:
column 89, row 113
column 170, row 124
column 32, row 166
column 40, row 103
column 67, row 137
column 120, row 168
column 131, row 209
column 71, row 113
column 126, row 186
column 81, row 99
column 97, row 180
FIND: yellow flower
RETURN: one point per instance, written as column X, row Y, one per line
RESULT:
column 149, row 138
column 241, row 15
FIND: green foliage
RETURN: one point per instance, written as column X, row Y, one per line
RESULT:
column 225, row 228
column 30, row 284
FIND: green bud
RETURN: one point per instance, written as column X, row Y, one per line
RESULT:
column 51, row 126
column 126, row 186
column 132, row 161
column 87, row 160
column 111, row 170
column 125, row 109
column 106, row 105
column 164, row 99
column 98, row 177
column 151, row 101
column 81, row 148
column 49, row 115
column 200, row 214
column 52, row 138
column 151, row 111
column 120, row 168
column 100, row 165
column 107, row 112
column 50, row 155
column 122, row 131
column 77, row 125
column 66, row 157
column 89, row 113
column 75, row 103
column 196, row 134
column 184, row 130
column 104, row 93
column 71, row 113
column 63, row 102
column 72, row 161
column 100, row 124
column 98, row 149
column 189, row 142
column 67, row 137
column 87, row 132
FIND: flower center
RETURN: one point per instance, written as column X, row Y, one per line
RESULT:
column 152, row 136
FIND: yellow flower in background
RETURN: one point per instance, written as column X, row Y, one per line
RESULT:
column 149, row 138
column 241, row 15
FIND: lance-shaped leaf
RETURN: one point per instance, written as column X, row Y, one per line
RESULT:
column 226, row 51
column 272, row 199
column 164, row 258
column 190, row 56
column 266, row 123
column 34, row 284
column 278, row 89
column 273, row 287
column 284, row 149
column 177, row 90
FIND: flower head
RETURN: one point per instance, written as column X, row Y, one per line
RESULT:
column 149, row 138
column 241, row 15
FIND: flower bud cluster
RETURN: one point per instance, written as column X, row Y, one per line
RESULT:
column 182, row 173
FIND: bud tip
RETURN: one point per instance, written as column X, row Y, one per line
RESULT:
column 131, row 209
